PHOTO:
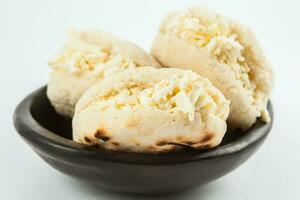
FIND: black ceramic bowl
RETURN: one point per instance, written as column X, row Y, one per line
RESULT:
column 50, row 135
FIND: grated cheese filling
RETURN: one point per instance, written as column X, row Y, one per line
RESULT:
column 188, row 93
column 79, row 57
column 212, row 32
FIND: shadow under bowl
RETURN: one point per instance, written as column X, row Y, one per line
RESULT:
column 50, row 136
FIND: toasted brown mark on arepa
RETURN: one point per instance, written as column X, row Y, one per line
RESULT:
column 101, row 134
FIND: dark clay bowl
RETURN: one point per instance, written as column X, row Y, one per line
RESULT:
column 50, row 135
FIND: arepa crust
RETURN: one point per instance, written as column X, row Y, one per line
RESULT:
column 144, row 110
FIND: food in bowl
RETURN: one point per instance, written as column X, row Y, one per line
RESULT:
column 224, row 51
column 151, row 110
column 86, row 58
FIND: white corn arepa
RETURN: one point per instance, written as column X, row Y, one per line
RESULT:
column 87, row 57
column 151, row 110
column 225, row 52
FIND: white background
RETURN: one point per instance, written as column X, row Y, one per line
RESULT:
column 32, row 31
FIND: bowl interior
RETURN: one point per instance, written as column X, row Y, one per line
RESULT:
column 57, row 131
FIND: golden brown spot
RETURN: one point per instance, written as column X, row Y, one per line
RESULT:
column 162, row 143
column 207, row 138
column 182, row 141
column 100, row 134
column 87, row 139
column 115, row 143
column 151, row 148
column 189, row 143
column 179, row 138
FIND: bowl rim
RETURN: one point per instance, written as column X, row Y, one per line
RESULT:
column 51, row 144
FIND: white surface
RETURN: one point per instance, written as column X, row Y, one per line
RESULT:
column 32, row 31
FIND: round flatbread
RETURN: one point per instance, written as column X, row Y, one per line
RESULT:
column 86, row 58
column 225, row 52
column 151, row 110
